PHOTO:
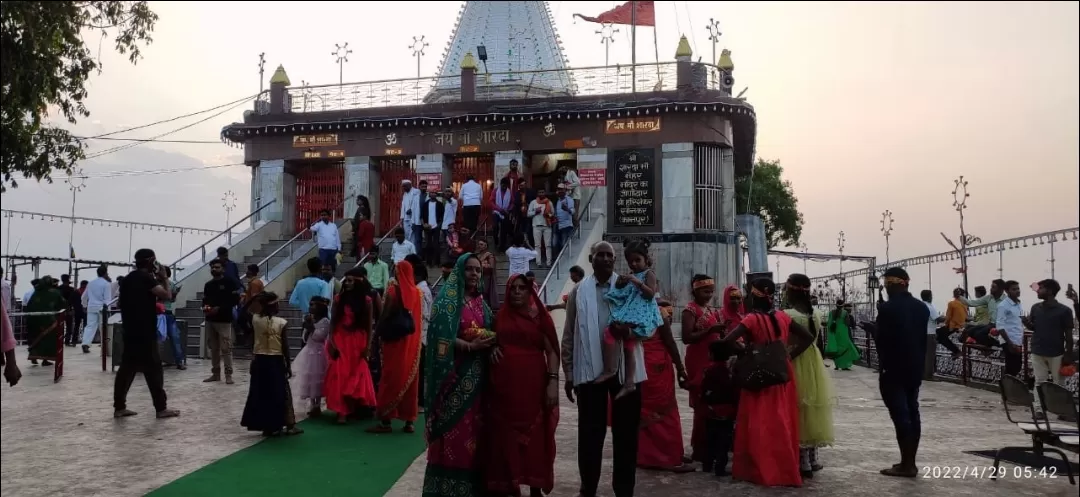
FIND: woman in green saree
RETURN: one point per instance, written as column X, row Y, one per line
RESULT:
column 840, row 346
column 45, row 326
column 458, row 353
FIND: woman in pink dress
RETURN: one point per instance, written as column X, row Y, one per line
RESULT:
column 660, row 442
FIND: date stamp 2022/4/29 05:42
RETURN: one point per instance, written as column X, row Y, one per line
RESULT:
column 987, row 472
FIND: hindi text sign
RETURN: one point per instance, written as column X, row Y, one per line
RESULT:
column 635, row 187
column 326, row 140
column 632, row 125
column 592, row 177
column 434, row 181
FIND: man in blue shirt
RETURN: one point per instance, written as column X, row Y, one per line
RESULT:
column 564, row 220
column 900, row 337
column 1011, row 327
column 310, row 286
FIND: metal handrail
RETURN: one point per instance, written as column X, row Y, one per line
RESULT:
column 557, row 265
column 266, row 261
column 360, row 261
column 471, row 237
column 228, row 231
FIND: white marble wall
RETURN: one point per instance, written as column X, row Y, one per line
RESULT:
column 677, row 188
column 357, row 181
column 271, row 178
column 677, row 263
column 594, row 158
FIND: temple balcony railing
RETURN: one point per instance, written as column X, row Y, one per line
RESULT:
column 641, row 78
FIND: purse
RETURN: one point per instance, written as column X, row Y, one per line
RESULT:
column 763, row 365
column 397, row 324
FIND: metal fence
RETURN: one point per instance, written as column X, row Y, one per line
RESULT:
column 585, row 81
column 20, row 321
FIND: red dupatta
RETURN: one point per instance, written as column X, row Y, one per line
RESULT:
column 401, row 358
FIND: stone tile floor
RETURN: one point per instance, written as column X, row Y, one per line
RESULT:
column 60, row 439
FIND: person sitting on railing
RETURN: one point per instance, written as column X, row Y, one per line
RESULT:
column 955, row 321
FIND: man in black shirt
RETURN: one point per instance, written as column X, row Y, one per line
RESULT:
column 139, row 294
column 74, row 307
column 900, row 338
column 220, row 295
column 1051, row 323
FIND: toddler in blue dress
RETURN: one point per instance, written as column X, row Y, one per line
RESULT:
column 635, row 313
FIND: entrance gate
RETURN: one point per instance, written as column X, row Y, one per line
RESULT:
column 481, row 168
column 391, row 173
column 319, row 187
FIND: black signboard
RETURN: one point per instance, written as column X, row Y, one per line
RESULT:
column 635, row 187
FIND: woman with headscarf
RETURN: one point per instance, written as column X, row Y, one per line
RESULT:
column 660, row 442
column 348, row 387
column 767, row 424
column 839, row 346
column 399, row 382
column 456, row 373
column 269, row 406
column 523, row 396
column 45, row 324
column 812, row 381
column 702, row 324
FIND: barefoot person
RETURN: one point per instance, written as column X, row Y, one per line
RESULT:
column 139, row 293
column 901, row 346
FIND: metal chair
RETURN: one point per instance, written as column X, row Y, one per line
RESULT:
column 1058, row 400
column 1015, row 393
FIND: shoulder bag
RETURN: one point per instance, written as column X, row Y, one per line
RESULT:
column 763, row 365
column 398, row 323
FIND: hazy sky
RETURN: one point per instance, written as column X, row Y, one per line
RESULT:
column 870, row 106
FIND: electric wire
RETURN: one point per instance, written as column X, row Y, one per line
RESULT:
column 171, row 119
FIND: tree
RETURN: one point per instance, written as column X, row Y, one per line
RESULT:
column 46, row 67
column 772, row 198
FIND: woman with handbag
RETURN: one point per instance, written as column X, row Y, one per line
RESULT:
column 399, row 332
column 767, row 424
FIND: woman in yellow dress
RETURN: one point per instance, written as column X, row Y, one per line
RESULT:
column 812, row 381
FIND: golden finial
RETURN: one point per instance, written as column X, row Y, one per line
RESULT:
column 725, row 62
column 684, row 48
column 468, row 62
column 280, row 77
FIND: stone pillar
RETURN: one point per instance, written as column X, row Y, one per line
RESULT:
column 271, row 182
column 358, row 182
column 592, row 159
column 468, row 78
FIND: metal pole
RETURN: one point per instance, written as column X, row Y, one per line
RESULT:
column 131, row 235
column 262, row 70
column 75, row 182
column 1052, row 260
column 1001, row 263
column 960, row 196
column 633, row 47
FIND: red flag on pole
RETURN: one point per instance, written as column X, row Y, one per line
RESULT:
column 646, row 15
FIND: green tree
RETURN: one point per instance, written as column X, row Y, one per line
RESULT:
column 46, row 66
column 771, row 197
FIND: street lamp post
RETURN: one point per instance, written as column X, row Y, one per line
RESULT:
column 714, row 36
column 843, row 281
column 341, row 54
column 960, row 197
column 804, row 249
column 228, row 201
column 607, row 37
column 886, row 229
column 75, row 181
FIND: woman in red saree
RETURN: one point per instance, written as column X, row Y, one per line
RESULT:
column 767, row 424
column 701, row 326
column 398, row 386
column 523, row 396
column 348, row 386
column 660, row 442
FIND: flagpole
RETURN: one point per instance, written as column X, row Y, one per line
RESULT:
column 633, row 47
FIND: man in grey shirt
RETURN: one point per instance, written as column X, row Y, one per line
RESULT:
column 1051, row 323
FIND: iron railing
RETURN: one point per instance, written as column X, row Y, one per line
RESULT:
column 584, row 81
column 201, row 249
column 360, row 261
column 566, row 248
column 264, row 265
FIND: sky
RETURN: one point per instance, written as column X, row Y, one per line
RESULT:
column 868, row 106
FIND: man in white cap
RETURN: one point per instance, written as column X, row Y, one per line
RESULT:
column 410, row 208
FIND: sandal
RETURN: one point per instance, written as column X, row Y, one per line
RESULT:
column 380, row 429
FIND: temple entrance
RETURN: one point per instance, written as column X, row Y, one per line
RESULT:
column 319, row 185
column 546, row 169
column 392, row 170
column 481, row 168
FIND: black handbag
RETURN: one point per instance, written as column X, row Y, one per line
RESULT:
column 397, row 324
column 763, row 365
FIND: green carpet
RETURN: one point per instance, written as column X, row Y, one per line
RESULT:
column 327, row 460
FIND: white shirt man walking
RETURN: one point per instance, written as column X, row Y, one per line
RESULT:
column 98, row 295
column 587, row 313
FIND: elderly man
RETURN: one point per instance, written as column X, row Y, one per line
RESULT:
column 587, row 313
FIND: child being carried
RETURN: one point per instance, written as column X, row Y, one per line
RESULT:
column 635, row 315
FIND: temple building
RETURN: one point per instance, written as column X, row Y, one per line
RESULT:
column 657, row 145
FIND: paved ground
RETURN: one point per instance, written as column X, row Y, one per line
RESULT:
column 61, row 440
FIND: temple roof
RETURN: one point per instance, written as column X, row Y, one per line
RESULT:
column 519, row 37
